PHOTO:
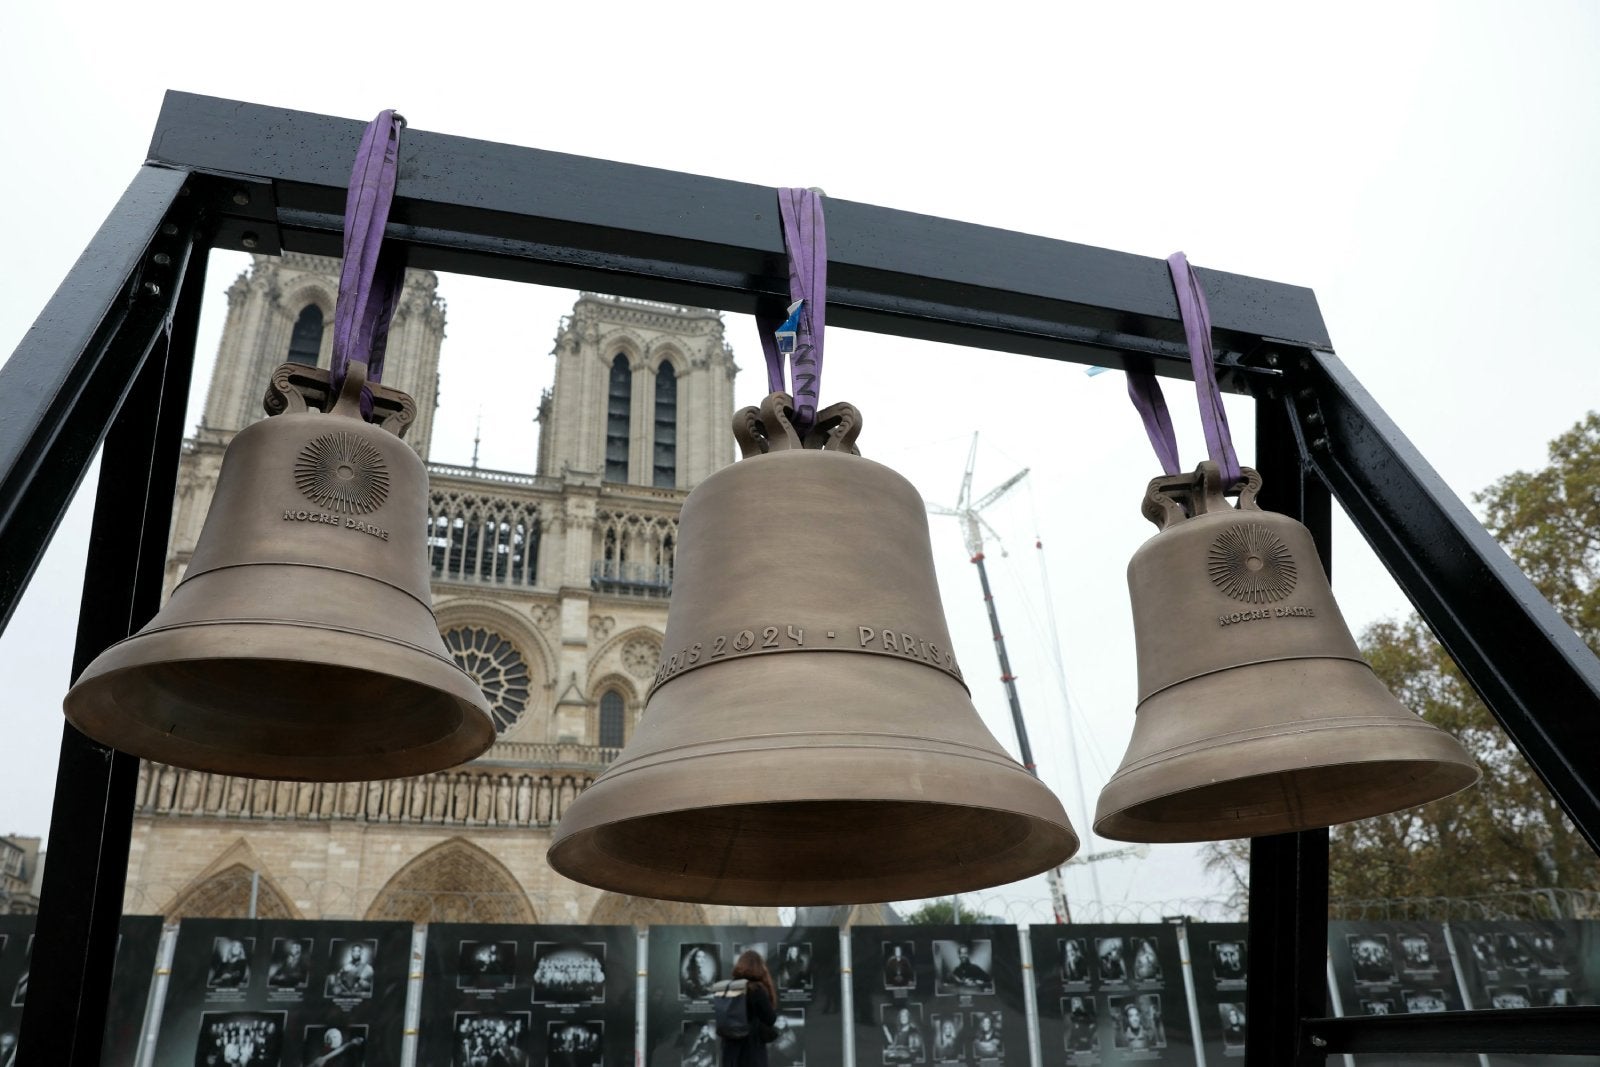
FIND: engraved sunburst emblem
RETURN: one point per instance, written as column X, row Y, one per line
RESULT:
column 1251, row 563
column 341, row 472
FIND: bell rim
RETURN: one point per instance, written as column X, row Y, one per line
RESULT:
column 1047, row 844
column 1445, row 779
column 89, row 706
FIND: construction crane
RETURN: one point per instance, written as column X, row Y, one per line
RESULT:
column 968, row 512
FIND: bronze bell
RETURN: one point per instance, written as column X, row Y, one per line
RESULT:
column 1257, row 714
column 301, row 642
column 809, row 738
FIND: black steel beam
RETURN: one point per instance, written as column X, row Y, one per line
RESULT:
column 75, row 939
column 1288, row 910
column 1535, row 674
column 545, row 217
column 1529, row 1031
column 62, row 385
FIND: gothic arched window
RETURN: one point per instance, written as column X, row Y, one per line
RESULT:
column 619, row 398
column 613, row 717
column 305, row 344
column 666, row 459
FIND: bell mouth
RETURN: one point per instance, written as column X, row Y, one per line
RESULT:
column 1286, row 801
column 282, row 716
column 813, row 852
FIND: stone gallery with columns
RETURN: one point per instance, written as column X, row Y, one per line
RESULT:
column 550, row 588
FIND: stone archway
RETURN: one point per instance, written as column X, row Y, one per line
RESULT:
column 226, row 895
column 619, row 909
column 454, row 881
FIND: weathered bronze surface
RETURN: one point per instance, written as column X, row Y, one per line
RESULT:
column 1257, row 714
column 301, row 642
column 808, row 739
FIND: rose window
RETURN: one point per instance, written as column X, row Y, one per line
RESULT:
column 496, row 666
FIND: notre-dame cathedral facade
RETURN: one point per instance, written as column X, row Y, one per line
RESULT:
column 550, row 588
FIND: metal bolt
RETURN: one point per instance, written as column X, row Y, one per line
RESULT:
column 1272, row 359
column 241, row 197
column 250, row 239
column 1320, row 444
column 169, row 229
column 161, row 259
column 1319, row 1042
column 1307, row 393
column 1314, row 418
column 151, row 289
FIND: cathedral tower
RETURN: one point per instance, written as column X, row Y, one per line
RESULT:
column 550, row 589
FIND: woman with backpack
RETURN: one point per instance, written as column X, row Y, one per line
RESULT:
column 761, row 1012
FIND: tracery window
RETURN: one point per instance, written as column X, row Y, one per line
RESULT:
column 497, row 667
column 619, row 399
column 305, row 343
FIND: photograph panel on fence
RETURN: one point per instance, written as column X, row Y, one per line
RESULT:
column 350, row 969
column 1231, row 1015
column 290, row 968
column 230, row 963
column 899, row 972
column 483, row 1037
column 1146, row 963
column 253, row 1038
column 1137, row 1021
column 574, row 1043
column 698, row 1043
column 1111, row 956
column 1082, row 1023
column 904, row 1040
column 949, row 1036
column 1229, row 962
column 758, row 947
column 788, row 1049
column 963, row 967
column 334, row 1046
column 699, row 968
column 569, row 972
column 1371, row 958
column 792, row 971
column 486, row 964
column 986, row 1042
column 1074, row 955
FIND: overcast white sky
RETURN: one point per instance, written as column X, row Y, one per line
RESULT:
column 1430, row 170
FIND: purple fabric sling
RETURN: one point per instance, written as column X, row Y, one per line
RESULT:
column 371, row 278
column 1145, row 390
column 799, row 336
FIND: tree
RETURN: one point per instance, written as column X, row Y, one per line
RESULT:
column 1506, row 833
column 945, row 911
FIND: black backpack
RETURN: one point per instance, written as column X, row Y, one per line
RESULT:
column 733, row 1009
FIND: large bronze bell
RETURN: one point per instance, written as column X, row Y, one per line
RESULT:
column 301, row 642
column 1257, row 714
column 809, row 738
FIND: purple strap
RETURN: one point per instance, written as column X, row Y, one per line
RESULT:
column 1145, row 391
column 371, row 279
column 805, row 238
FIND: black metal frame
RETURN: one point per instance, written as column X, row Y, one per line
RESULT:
column 109, row 361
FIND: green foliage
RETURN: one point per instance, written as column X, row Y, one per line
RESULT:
column 941, row 912
column 1506, row 833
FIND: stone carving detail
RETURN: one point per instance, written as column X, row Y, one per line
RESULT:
column 600, row 626
column 226, row 894
column 461, row 798
column 453, row 882
column 641, row 657
column 545, row 615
